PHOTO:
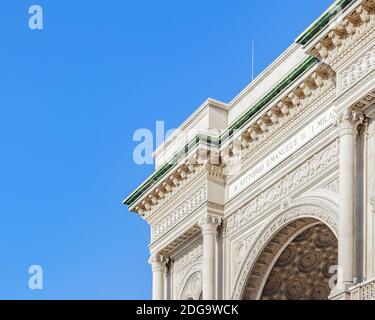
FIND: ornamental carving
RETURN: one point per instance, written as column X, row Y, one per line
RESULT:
column 354, row 32
column 372, row 203
column 240, row 252
column 193, row 288
column 315, row 90
column 185, row 267
column 358, row 70
column 210, row 224
column 348, row 121
column 303, row 275
column 367, row 291
column 180, row 213
column 269, row 242
column 303, row 174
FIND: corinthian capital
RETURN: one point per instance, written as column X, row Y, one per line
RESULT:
column 349, row 121
column 157, row 262
column 210, row 224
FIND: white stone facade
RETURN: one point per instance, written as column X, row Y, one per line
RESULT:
column 265, row 194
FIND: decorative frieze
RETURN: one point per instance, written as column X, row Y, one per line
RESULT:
column 178, row 214
column 284, row 187
column 364, row 291
column 368, row 291
column 158, row 262
column 282, row 152
column 357, row 70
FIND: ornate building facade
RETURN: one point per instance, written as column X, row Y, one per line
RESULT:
column 272, row 196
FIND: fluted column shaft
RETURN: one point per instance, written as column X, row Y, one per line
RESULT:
column 347, row 124
column 158, row 275
column 209, row 227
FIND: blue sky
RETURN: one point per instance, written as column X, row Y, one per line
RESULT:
column 71, row 97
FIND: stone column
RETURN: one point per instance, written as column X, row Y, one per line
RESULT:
column 209, row 226
column 347, row 123
column 158, row 275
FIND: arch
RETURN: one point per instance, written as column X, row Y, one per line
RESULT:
column 193, row 287
column 191, row 284
column 278, row 233
column 304, row 269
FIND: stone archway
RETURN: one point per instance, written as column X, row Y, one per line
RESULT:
column 305, row 269
column 297, row 264
column 272, row 246
column 193, row 288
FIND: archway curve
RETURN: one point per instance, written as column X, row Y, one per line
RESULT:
column 188, row 285
column 303, row 213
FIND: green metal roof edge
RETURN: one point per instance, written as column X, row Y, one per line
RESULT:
column 161, row 172
column 280, row 87
column 322, row 21
column 218, row 142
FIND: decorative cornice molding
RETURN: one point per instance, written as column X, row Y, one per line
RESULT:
column 342, row 36
column 178, row 214
column 314, row 30
column 304, row 94
column 213, row 144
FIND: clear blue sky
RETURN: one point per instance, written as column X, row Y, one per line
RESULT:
column 71, row 97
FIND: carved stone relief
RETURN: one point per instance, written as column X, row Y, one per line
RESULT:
column 186, row 264
column 304, row 269
column 284, row 187
column 179, row 213
column 358, row 69
column 270, row 240
column 193, row 288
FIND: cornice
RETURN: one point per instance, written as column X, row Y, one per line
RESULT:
column 316, row 28
column 256, row 124
column 199, row 113
column 266, row 124
column 212, row 143
column 341, row 39
column 295, row 119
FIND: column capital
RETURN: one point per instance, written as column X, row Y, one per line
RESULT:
column 348, row 121
column 210, row 224
column 158, row 262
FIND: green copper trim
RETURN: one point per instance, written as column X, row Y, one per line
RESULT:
column 218, row 142
column 284, row 84
column 323, row 21
column 162, row 172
